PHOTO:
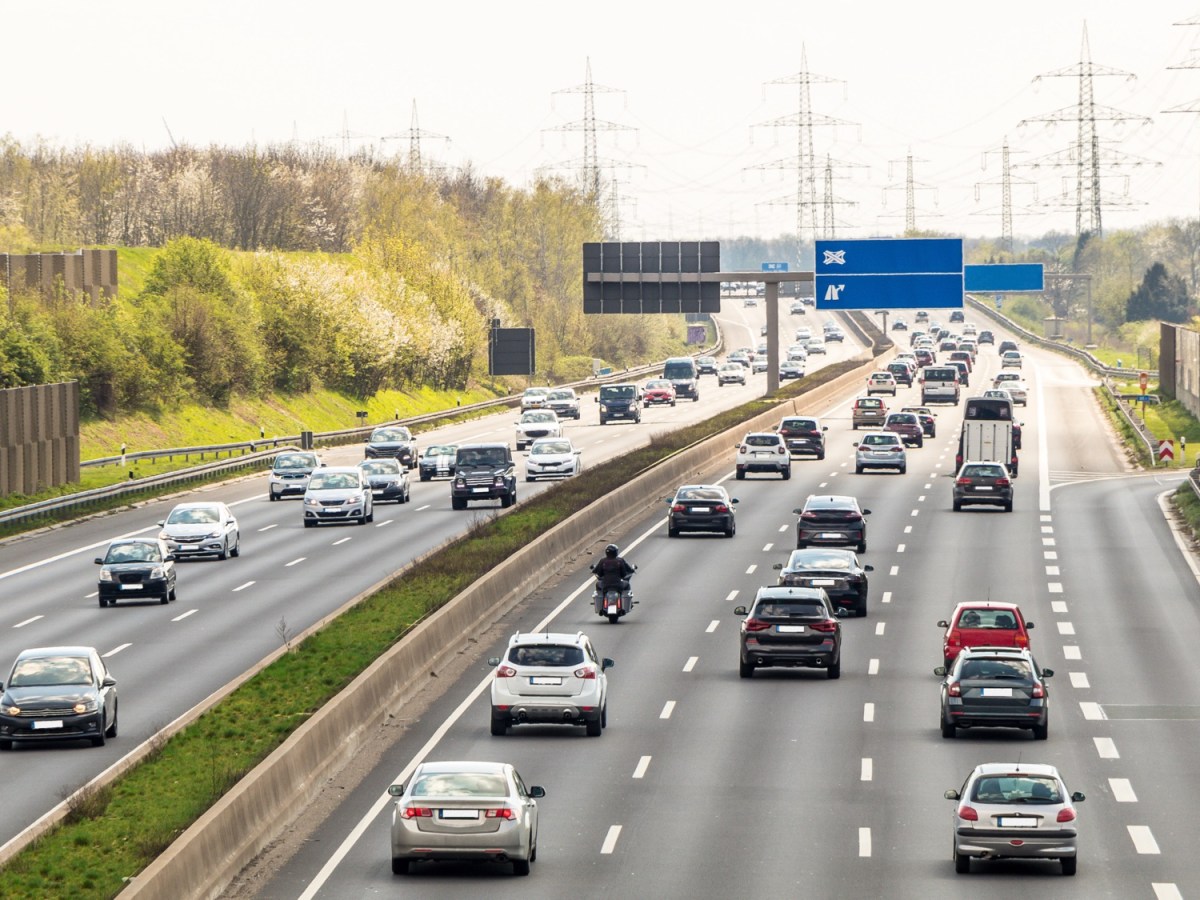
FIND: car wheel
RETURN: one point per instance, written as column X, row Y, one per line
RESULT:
column 958, row 506
column 962, row 862
column 166, row 597
column 1041, row 732
column 499, row 726
column 272, row 497
column 455, row 503
column 787, row 473
column 920, row 442
column 821, row 455
column 172, row 597
column 399, row 866
column 505, row 501
column 861, row 547
column 520, row 867
column 1069, row 864
column 237, row 547
column 860, row 609
column 604, row 716
column 745, row 669
column 858, row 470
column 5, row 745
column 308, row 523
column 533, row 851
column 672, row 403
column 603, row 421
column 903, row 469
column 933, row 433
column 1008, row 506
column 949, row 730
column 835, row 670
column 696, row 399
column 741, row 476
column 594, row 728
column 731, row 530
column 99, row 740
column 224, row 554
column 672, row 531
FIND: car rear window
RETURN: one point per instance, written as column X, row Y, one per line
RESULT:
column 999, row 619
column 1016, row 669
column 546, row 655
column 880, row 440
column 799, row 424
column 762, row 440
column 789, row 609
column 1016, row 789
column 460, row 784
column 984, row 472
column 700, row 494
column 940, row 374
column 870, row 403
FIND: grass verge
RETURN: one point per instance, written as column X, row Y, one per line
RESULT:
column 1188, row 505
column 113, row 834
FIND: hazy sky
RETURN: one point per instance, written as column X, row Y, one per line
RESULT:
column 944, row 80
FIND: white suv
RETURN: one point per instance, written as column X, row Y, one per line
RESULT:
column 548, row 679
column 881, row 383
column 763, row 452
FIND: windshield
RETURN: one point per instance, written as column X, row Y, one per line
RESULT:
column 440, row 450
column 551, row 448
column 295, row 461
column 380, row 467
column 197, row 515
column 762, row 440
column 333, row 481
column 789, row 608
column 487, row 457
column 546, row 655
column 617, row 392
column 391, row 434
column 46, row 670
column 680, row 370
column 134, row 552
column 538, row 417
column 1011, row 669
column 701, row 493
column 561, row 395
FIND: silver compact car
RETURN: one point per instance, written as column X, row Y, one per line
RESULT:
column 550, row 679
column 290, row 473
column 537, row 423
column 1014, row 811
column 880, row 450
column 58, row 694
column 388, row 479
column 199, row 529
column 475, row 811
column 338, row 494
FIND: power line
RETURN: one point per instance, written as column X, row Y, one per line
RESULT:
column 1192, row 62
column 414, row 135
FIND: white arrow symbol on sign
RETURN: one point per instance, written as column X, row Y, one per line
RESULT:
column 831, row 292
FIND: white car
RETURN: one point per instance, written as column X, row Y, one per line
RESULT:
column 534, row 398
column 880, row 450
column 731, row 373
column 815, row 345
column 1003, row 378
column 1010, row 359
column 547, row 678
column 804, row 334
column 552, row 458
column 797, row 351
column 759, row 364
column 969, row 328
column 537, row 423
column 763, row 452
column 881, row 383
column 1018, row 390
column 199, row 529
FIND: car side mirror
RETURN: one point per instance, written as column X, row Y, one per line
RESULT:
column 842, row 612
column 108, row 681
column 739, row 611
column 940, row 671
column 1078, row 797
column 1047, row 673
column 396, row 790
column 797, row 511
column 733, row 499
column 824, row 427
column 160, row 524
column 493, row 660
column 942, row 623
column 537, row 792
column 866, row 512
column 952, row 795
column 170, row 557
column 868, row 568
column 777, row 566
column 607, row 663
column 99, row 561
column 855, row 444
column 1028, row 625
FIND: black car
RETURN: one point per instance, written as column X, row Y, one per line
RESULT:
column 393, row 440
column 58, row 694
column 483, row 472
column 956, row 315
column 901, row 372
column 985, row 337
column 701, row 507
column 1000, row 687
column 925, row 416
column 803, row 434
column 983, row 482
column 837, row 572
column 1005, row 346
column 790, row 626
column 831, row 519
column 619, row 401
column 136, row 567
column 706, row 365
column 437, row 461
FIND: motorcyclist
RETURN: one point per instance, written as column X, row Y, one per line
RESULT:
column 612, row 571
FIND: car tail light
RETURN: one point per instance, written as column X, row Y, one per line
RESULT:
column 502, row 813
column 1022, row 640
column 721, row 508
column 678, row 507
column 1038, row 691
column 781, row 449
column 755, row 625
column 810, row 516
column 827, row 626
column 954, row 689
column 743, row 449
column 1066, row 815
column 588, row 673
column 415, row 812
column 505, row 672
column 963, row 480
column 968, row 813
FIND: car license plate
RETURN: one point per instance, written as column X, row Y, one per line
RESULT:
column 481, row 490
column 762, row 453
column 996, row 692
column 790, row 629
column 612, row 609
column 544, row 679
column 1017, row 822
column 458, row 813
column 700, row 509
column 131, row 587
column 982, row 487
column 823, row 582
column 831, row 535
column 47, row 724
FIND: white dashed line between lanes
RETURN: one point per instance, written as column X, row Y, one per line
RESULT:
column 1166, row 890
column 873, row 667
column 668, row 708
column 1058, row 606
column 1054, row 587
column 422, row 508
column 610, row 840
column 642, row 766
column 767, row 548
column 1092, row 711
column 908, row 529
column 864, row 842
column 1143, row 840
column 1106, row 748
column 340, row 541
column 879, row 627
column 1050, row 554
column 900, row 548
column 295, row 561
column 1122, row 790
column 895, row 570
column 868, row 712
column 867, row 769
column 691, row 663
column 29, row 621
column 751, row 569
column 1071, row 651
column 190, row 612
column 242, row 587
column 712, row 626
column 1052, row 570
column 268, row 527
column 1079, row 680
column 887, row 597
column 732, row 595
column 114, row 651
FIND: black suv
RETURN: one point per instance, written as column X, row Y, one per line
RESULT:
column 393, row 440
column 619, row 401
column 831, row 519
column 803, row 435
column 957, row 316
column 837, row 572
column 483, row 472
column 999, row 687
column 985, row 337
column 790, row 626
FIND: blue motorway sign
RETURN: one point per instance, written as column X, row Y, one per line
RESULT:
column 1009, row 278
column 889, row 273
column 775, row 267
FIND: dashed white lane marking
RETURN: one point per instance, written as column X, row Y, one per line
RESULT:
column 908, row 529
column 732, row 595
column 879, row 627
column 1071, row 651
column 420, row 508
column 1065, row 628
column 114, row 651
column 895, row 570
column 1058, row 606
column 1050, row 554
column 867, row 769
column 242, row 587
column 920, row 499
column 668, row 708
column 767, row 548
column 899, row 548
column 864, row 842
column 873, row 667
column 384, row 522
column 915, row 512
column 937, row 466
column 1054, row 587
column 92, row 595
column 1143, row 840
column 294, row 561
column 1092, row 711
column 1048, row 542
column 1079, row 680
column 1047, row 529
column 268, row 527
column 784, row 527
column 822, row 484
column 1045, row 518
column 750, row 571
column 340, row 541
column 1106, row 748
column 190, row 612
column 712, row 626
column 1166, row 890
column 842, row 466
column 691, row 663
column 887, row 596
column 30, row 621
column 868, row 712
column 928, row 486
column 1122, row 790
column 642, row 766
column 610, row 840
column 1052, row 570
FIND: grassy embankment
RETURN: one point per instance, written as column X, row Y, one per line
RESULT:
column 113, row 834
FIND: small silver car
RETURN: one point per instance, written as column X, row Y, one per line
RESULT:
column 880, row 450
column 1014, row 811
column 198, row 529
column 338, row 494
column 478, row 811
column 290, row 473
column 388, row 479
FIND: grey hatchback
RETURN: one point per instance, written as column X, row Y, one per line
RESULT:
column 790, row 626
column 983, row 482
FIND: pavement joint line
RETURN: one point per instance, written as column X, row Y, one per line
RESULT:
column 190, row 612
column 1106, row 748
column 30, row 621
column 1143, row 840
column 610, row 839
column 1122, row 790
column 887, row 597
column 879, row 628
column 868, row 712
column 691, row 663
column 752, row 568
column 241, row 587
column 668, row 708
column 340, row 541
column 1058, row 606
column 642, row 766
column 895, row 570
column 867, row 769
column 1080, row 680
column 1054, row 587
column 1092, row 712
column 732, row 594
column 114, row 651
column 294, row 561
column 1066, row 628
column 864, row 842
column 712, row 626
column 873, row 667
column 1071, row 651
column 422, row 508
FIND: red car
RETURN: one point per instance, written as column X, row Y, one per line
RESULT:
column 925, row 357
column 658, row 392
column 983, row 624
column 907, row 425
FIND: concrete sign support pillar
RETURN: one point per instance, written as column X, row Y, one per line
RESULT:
column 772, row 300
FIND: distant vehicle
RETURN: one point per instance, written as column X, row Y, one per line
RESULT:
column 985, row 337
column 564, row 402
column 485, row 472
column 200, row 529
column 804, row 334
column 995, row 687
column 835, row 334
column 983, row 440
column 984, row 623
column 899, row 325
column 290, row 473
column 58, row 694
column 835, row 571
column 763, row 452
column 956, row 315
column 790, row 626
column 983, row 482
column 940, row 384
column 797, row 309
column 437, row 461
column 922, row 316
column 1005, row 346
column 870, row 411
column 552, row 458
column 902, row 372
column 880, row 450
column 908, row 426
column 658, row 391
column 831, row 520
column 619, row 401
column 1010, row 359
column 803, row 434
column 545, row 678
column 534, row 398
column 791, row 369
column 750, row 301
column 731, row 373
column 681, row 371
column 395, row 441
column 534, row 424
column 881, row 383
column 701, row 507
column 739, row 357
column 388, row 479
column 926, row 416
column 815, row 345
column 706, row 365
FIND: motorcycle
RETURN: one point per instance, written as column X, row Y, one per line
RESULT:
column 613, row 602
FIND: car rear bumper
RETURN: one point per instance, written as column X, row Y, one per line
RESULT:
column 814, row 657
column 709, row 523
column 542, row 712
column 997, row 843
column 506, row 843
column 829, row 537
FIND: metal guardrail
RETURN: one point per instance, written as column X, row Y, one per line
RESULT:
column 1142, row 431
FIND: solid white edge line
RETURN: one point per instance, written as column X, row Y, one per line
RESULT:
column 69, row 553
column 420, row 508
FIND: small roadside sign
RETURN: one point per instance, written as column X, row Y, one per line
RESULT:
column 1144, row 380
column 774, row 267
column 1166, row 450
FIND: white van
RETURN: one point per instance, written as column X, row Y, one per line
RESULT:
column 939, row 384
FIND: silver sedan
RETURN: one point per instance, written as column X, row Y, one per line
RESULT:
column 199, row 529
column 480, row 811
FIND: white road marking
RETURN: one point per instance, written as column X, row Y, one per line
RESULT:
column 916, row 512
column 1052, row 570
column 732, row 595
column 1058, row 606
column 937, row 466
column 873, row 667
column 1054, row 587
column 887, row 596
column 895, row 570
column 1080, row 680
column 784, row 527
column 75, row 552
column 384, row 522
column 1106, row 748
column 767, row 548
column 750, row 571
column 190, row 612
column 1050, row 554
column 712, row 626
column 114, row 651
column 1166, row 890
column 268, row 527
column 1065, row 628
column 668, row 708
column 908, row 529
column 920, row 499
column 864, row 842
column 642, row 766
column 30, row 621
column 92, row 595
column 1122, row 790
column 340, row 541
column 420, row 508
column 868, row 712
column 928, row 486
column 1045, row 518
column 294, row 561
column 242, row 587
column 899, row 548
column 1143, row 840
column 610, row 840
column 1071, row 651
column 1047, row 542
column 1047, row 529
column 1092, row 712
column 879, row 627
column 822, row 484
column 691, row 663
column 867, row 767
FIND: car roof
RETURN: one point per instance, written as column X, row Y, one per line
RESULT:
column 66, row 650
column 684, row 487
column 491, row 768
column 985, row 650
column 832, row 501
column 1017, row 768
column 801, row 556
column 336, row 470
column 789, row 593
column 551, row 440
column 546, row 637
column 986, row 604
column 196, row 504
column 133, row 540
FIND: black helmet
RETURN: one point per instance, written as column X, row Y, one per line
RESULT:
column 611, row 551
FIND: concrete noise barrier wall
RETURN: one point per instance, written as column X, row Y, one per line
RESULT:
column 39, row 437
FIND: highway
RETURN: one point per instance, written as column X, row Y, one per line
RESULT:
column 791, row 785
column 231, row 614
